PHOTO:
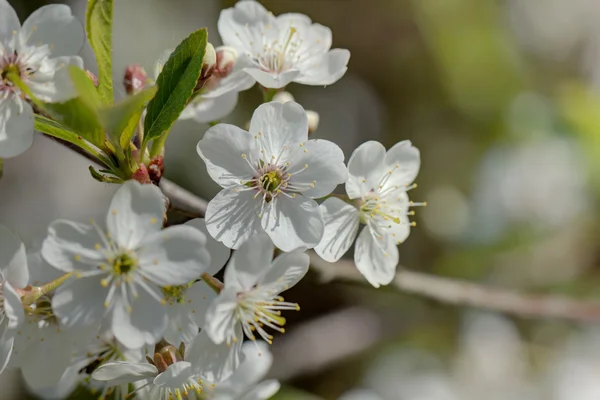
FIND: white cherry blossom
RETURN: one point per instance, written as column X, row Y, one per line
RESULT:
column 283, row 49
column 187, row 304
column 173, row 374
column 117, row 275
column 36, row 52
column 246, row 382
column 251, row 293
column 270, row 177
column 13, row 275
column 219, row 95
column 377, row 185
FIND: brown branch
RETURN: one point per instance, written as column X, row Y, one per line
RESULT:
column 446, row 290
column 457, row 292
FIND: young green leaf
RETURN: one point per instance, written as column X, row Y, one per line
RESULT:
column 176, row 85
column 99, row 19
column 117, row 120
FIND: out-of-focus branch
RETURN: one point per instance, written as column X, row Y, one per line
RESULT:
column 454, row 291
column 445, row 290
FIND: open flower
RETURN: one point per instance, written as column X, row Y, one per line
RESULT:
column 270, row 176
column 173, row 373
column 284, row 49
column 377, row 182
column 246, row 382
column 118, row 274
column 219, row 94
column 13, row 275
column 251, row 293
column 34, row 52
column 187, row 304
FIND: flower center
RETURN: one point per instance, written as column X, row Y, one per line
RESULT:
column 279, row 58
column 174, row 294
column 373, row 207
column 123, row 264
column 272, row 180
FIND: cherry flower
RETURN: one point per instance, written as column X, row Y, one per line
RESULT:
column 35, row 52
column 187, row 304
column 13, row 275
column 270, row 177
column 173, row 373
column 118, row 274
column 246, row 382
column 218, row 96
column 251, row 293
column 378, row 183
column 284, row 49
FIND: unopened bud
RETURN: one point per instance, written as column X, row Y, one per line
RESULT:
column 135, row 79
column 283, row 97
column 313, row 121
column 93, row 77
column 208, row 66
column 226, row 58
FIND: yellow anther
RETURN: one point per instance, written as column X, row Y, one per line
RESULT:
column 153, row 220
column 104, row 282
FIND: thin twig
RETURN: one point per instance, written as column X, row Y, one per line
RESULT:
column 462, row 293
column 447, row 290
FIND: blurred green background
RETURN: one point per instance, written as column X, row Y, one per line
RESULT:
column 502, row 99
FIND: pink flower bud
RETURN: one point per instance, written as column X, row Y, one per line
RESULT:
column 135, row 79
column 226, row 58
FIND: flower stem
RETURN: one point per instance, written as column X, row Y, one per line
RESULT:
column 213, row 282
column 35, row 292
column 268, row 94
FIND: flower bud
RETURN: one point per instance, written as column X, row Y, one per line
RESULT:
column 313, row 121
column 226, row 58
column 135, row 79
column 283, row 97
column 208, row 67
column 93, row 77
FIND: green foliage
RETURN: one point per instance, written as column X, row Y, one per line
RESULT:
column 175, row 87
column 99, row 29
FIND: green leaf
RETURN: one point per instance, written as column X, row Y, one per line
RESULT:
column 85, row 87
column 118, row 119
column 79, row 117
column 55, row 129
column 176, row 85
column 99, row 29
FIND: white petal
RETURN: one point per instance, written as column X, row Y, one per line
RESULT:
column 220, row 320
column 207, row 110
column 175, row 375
column 13, row 306
column 292, row 19
column 233, row 21
column 236, row 82
column 273, row 80
column 9, row 22
column 6, row 341
column 325, row 70
column 232, row 218
column 59, row 390
column 262, row 391
column 222, row 148
column 136, row 211
column 376, row 258
column 52, row 82
column 341, row 226
column 248, row 263
column 174, row 256
column 219, row 253
column 71, row 246
column 287, row 270
column 40, row 271
column 185, row 319
column 365, row 164
column 324, row 162
column 118, row 372
column 16, row 127
column 80, row 302
column 215, row 363
column 294, row 222
column 407, row 158
column 144, row 325
column 279, row 125
column 13, row 259
column 55, row 26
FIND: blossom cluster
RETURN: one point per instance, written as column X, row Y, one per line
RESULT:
column 132, row 305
